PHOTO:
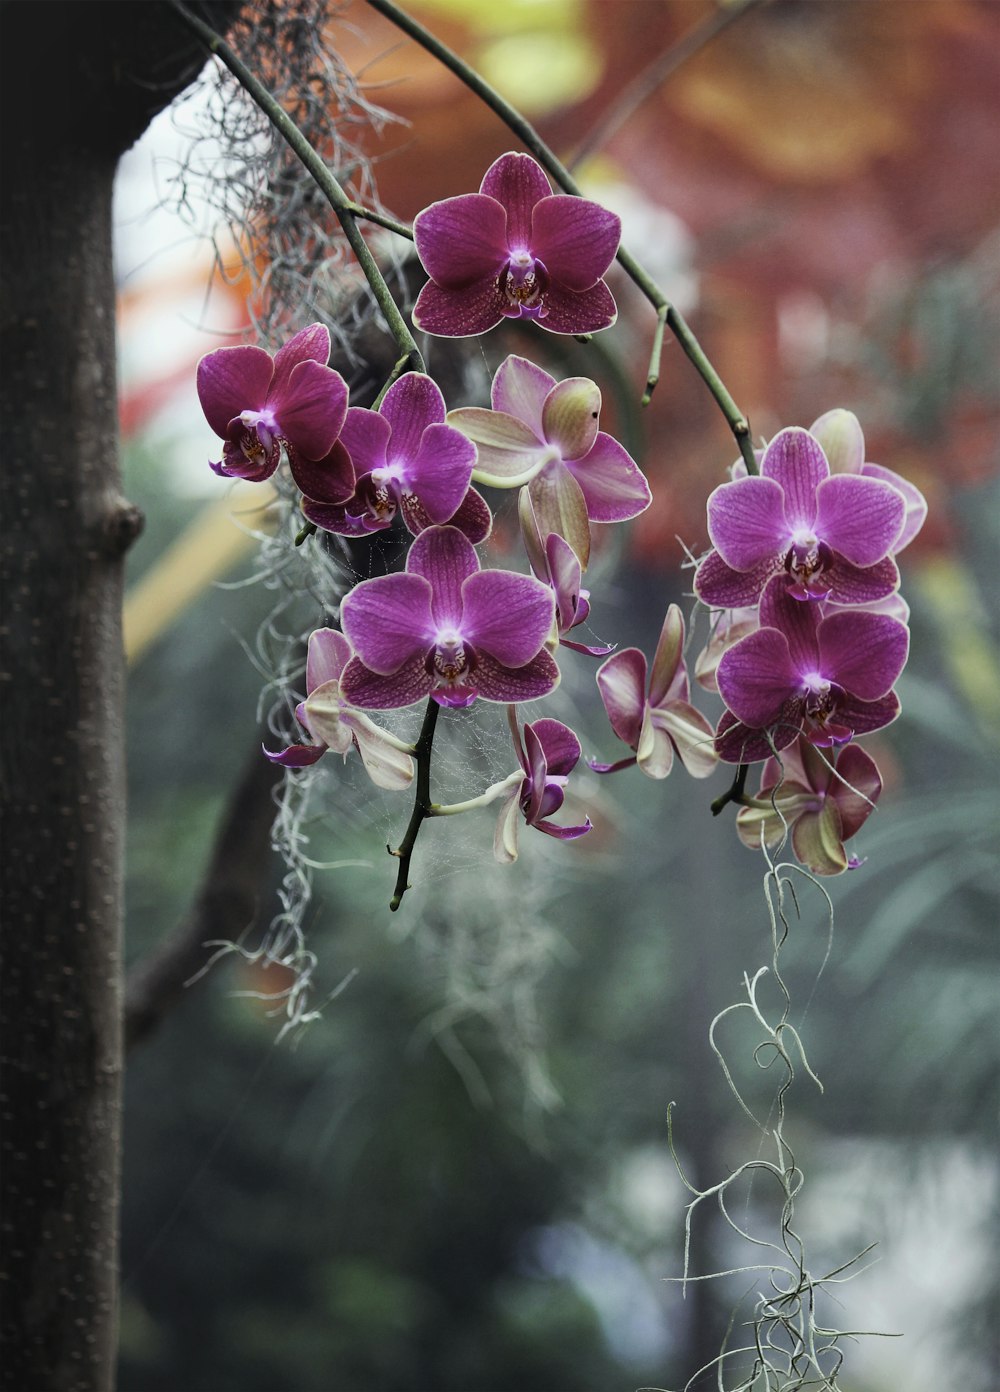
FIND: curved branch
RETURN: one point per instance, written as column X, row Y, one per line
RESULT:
column 667, row 313
column 226, row 904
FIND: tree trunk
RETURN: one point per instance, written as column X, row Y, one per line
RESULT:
column 80, row 83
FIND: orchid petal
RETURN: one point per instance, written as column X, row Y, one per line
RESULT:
column 859, row 517
column 444, row 558
column 736, row 743
column 334, row 517
column 622, row 684
column 564, row 833
column 746, row 522
column 536, row 781
column 668, row 660
column 841, row 439
column 461, row 241
column 508, row 685
column 721, row 587
column 473, row 517
column 387, row 766
column 311, row 344
column 232, row 380
column 916, row 503
column 795, row 461
column 691, row 735
column 520, row 388
column 296, row 755
column 374, row 691
column 564, row 572
column 575, row 238
column 559, row 506
column 854, row 585
column 327, row 654
column 570, row 415
column 757, row 826
column 322, row 713
column 509, row 454
column 328, row 480
column 440, row 469
column 559, row 745
column 797, row 620
column 366, row 435
column 388, row 620
column 818, row 840
column 596, row 767
column 757, row 677
column 578, row 312
column 517, row 182
column 864, row 653
column 855, row 787
column 312, row 408
column 461, row 313
column 505, row 836
column 411, row 404
column 534, row 542
column 507, row 615
column 654, row 752
column 862, row 717
column 614, row 487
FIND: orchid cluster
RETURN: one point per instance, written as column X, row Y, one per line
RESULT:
column 808, row 634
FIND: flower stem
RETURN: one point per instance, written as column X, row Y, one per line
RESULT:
column 422, row 802
column 734, row 793
column 452, row 809
column 667, row 313
column 346, row 209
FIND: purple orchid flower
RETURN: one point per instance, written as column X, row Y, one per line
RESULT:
column 829, row 676
column 830, row 536
column 257, row 403
column 548, row 756
column 821, row 803
column 446, row 629
column 405, row 458
column 336, row 725
column 663, row 722
column 545, row 434
column 515, row 250
column 556, row 564
column 843, row 442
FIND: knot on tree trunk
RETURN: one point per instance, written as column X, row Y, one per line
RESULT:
column 121, row 525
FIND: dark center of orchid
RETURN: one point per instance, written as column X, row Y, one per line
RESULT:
column 381, row 495
column 523, row 283
column 806, row 565
column 822, row 700
column 450, row 660
column 253, row 451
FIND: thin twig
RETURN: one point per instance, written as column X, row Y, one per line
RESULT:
column 667, row 313
column 346, row 209
column 644, row 84
column 734, row 793
column 421, row 803
column 227, row 902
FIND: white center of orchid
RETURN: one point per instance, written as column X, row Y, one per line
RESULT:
column 264, row 423
column 803, row 538
column 815, row 683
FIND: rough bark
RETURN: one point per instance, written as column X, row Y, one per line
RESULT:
column 79, row 84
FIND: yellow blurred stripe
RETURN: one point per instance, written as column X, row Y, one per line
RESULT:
column 208, row 548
